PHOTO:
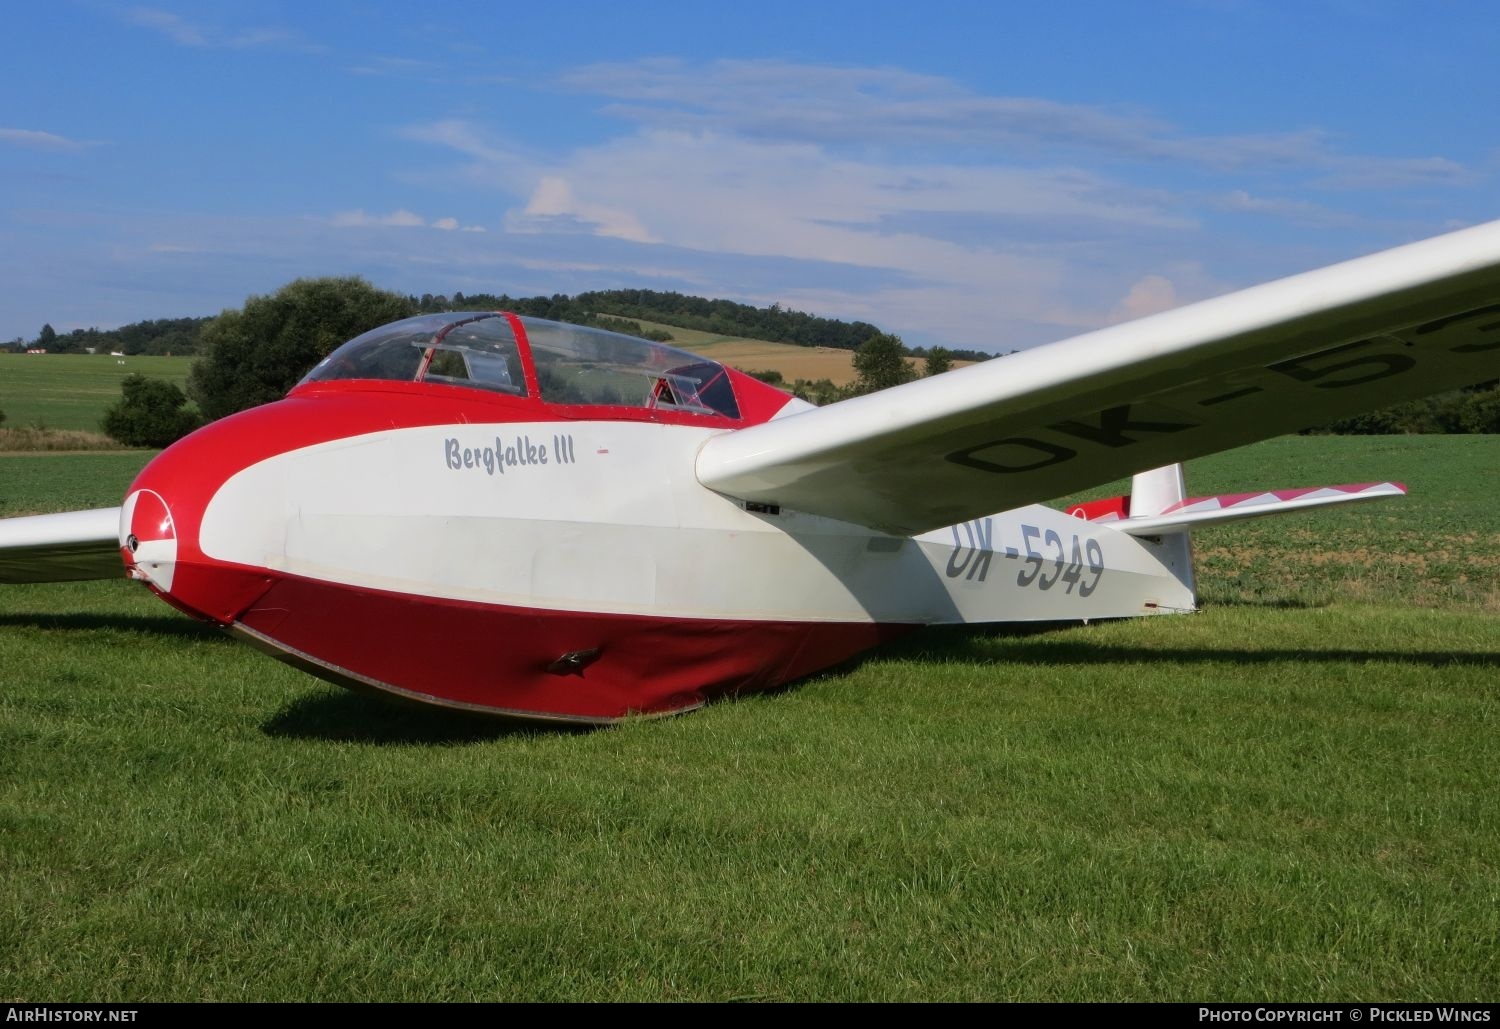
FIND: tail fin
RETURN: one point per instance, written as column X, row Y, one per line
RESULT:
column 1152, row 494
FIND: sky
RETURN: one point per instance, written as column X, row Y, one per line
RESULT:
column 990, row 175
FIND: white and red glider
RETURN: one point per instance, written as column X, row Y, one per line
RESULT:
column 524, row 518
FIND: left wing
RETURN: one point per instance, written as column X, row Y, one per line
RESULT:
column 1056, row 419
column 61, row 547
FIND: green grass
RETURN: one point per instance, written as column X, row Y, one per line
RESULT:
column 71, row 391
column 1293, row 795
column 40, row 482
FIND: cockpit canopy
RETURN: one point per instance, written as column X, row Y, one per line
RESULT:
column 561, row 363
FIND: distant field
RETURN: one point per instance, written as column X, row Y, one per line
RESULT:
column 1293, row 795
column 754, row 355
column 71, row 391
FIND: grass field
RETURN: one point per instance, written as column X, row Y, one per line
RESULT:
column 1292, row 795
column 71, row 391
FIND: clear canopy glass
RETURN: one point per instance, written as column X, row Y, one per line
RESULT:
column 574, row 364
column 457, row 349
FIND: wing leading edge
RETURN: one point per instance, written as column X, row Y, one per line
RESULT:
column 61, row 547
column 1396, row 325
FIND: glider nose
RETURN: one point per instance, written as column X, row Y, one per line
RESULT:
column 148, row 539
column 161, row 528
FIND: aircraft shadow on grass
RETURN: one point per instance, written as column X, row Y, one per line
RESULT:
column 988, row 645
column 349, row 717
column 166, row 625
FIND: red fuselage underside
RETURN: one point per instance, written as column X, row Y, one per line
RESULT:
column 505, row 660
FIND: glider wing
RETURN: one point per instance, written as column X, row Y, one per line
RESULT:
column 61, row 547
column 1050, row 421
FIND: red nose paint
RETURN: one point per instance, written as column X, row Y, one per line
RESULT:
column 151, row 520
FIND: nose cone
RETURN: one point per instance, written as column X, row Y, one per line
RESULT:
column 148, row 539
column 162, row 523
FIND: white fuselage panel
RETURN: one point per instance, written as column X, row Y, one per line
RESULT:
column 607, row 517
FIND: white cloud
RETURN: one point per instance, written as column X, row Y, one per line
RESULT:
column 185, row 33
column 784, row 100
column 30, row 139
column 168, row 24
column 841, row 190
column 400, row 218
column 1396, row 173
column 394, row 66
column 1151, row 295
column 553, row 203
column 726, row 194
column 1301, row 211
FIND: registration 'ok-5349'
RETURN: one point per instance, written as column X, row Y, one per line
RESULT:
column 1077, row 562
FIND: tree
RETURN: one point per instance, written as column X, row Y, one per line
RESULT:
column 819, row 392
column 881, row 363
column 939, row 360
column 47, row 338
column 149, row 413
column 1481, row 413
column 254, row 355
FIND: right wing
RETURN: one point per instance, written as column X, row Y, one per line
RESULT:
column 1034, row 426
column 61, row 547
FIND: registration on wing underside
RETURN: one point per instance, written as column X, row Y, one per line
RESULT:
column 1268, row 397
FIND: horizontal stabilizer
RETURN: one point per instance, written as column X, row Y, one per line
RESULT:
column 1196, row 512
column 64, row 547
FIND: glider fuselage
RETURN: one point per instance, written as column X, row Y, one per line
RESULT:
column 497, row 553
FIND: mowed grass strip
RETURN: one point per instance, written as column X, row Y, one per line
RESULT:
column 71, row 391
column 1293, row 797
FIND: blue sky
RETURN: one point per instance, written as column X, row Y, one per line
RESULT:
column 980, row 174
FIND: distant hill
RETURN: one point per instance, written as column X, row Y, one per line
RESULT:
column 651, row 313
column 646, row 313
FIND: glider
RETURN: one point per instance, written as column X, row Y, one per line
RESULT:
column 544, row 521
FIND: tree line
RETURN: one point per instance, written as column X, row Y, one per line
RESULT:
column 619, row 310
column 156, row 337
column 255, row 354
